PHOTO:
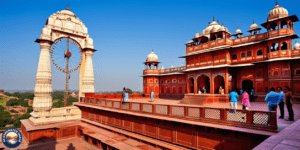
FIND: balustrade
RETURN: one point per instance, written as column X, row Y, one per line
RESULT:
column 242, row 118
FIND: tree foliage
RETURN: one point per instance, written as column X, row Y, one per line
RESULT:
column 13, row 111
column 5, row 117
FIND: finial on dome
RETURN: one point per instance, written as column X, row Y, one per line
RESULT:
column 152, row 50
column 218, row 20
column 68, row 7
column 208, row 23
column 253, row 22
column 276, row 2
column 213, row 18
column 238, row 27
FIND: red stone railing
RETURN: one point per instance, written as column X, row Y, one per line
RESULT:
column 242, row 40
column 242, row 118
column 170, row 70
column 150, row 71
column 113, row 96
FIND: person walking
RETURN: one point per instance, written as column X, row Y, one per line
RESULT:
column 233, row 96
column 252, row 95
column 273, row 100
column 281, row 102
column 289, row 104
column 245, row 100
column 123, row 94
column 152, row 95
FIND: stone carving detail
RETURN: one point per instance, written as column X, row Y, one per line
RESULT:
column 190, row 76
column 203, row 73
column 219, row 73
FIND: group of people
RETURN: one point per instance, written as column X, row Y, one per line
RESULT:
column 124, row 95
column 246, row 99
column 274, row 99
column 203, row 89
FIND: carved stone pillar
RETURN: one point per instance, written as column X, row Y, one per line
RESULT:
column 88, row 76
column 42, row 100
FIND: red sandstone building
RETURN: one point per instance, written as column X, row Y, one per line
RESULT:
column 217, row 58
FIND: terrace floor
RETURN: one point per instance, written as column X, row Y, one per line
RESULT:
column 261, row 106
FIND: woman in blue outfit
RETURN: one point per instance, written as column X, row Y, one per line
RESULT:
column 126, row 95
column 152, row 94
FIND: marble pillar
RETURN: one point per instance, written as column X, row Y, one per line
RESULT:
column 42, row 101
column 88, row 76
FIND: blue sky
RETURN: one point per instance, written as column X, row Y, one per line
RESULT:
column 124, row 33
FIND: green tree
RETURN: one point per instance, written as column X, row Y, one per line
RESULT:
column 13, row 111
column 1, row 108
column 7, row 94
column 17, row 122
column 58, row 104
column 5, row 118
column 129, row 91
column 12, row 102
column 29, row 110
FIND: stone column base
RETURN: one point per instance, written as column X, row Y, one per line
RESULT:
column 55, row 115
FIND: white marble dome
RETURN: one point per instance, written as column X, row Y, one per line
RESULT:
column 253, row 26
column 238, row 31
column 152, row 57
column 172, row 66
column 277, row 12
column 297, row 46
column 162, row 67
column 65, row 23
column 197, row 35
column 222, row 28
column 214, row 25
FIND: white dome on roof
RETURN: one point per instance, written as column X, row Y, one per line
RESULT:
column 172, row 66
column 277, row 12
column 238, row 31
column 222, row 28
column 210, row 27
column 253, row 26
column 162, row 67
column 152, row 57
column 297, row 46
column 197, row 35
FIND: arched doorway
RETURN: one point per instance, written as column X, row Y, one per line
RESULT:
column 191, row 82
column 247, row 85
column 218, row 82
column 203, row 81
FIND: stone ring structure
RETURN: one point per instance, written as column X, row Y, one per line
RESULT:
column 66, row 54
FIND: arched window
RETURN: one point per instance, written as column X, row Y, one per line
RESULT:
column 213, row 38
column 283, row 24
column 283, row 46
column 233, row 57
column 203, row 40
column 249, row 53
column 162, row 81
column 259, row 52
column 220, row 36
column 274, row 47
column 291, row 25
column 274, row 26
column 243, row 55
